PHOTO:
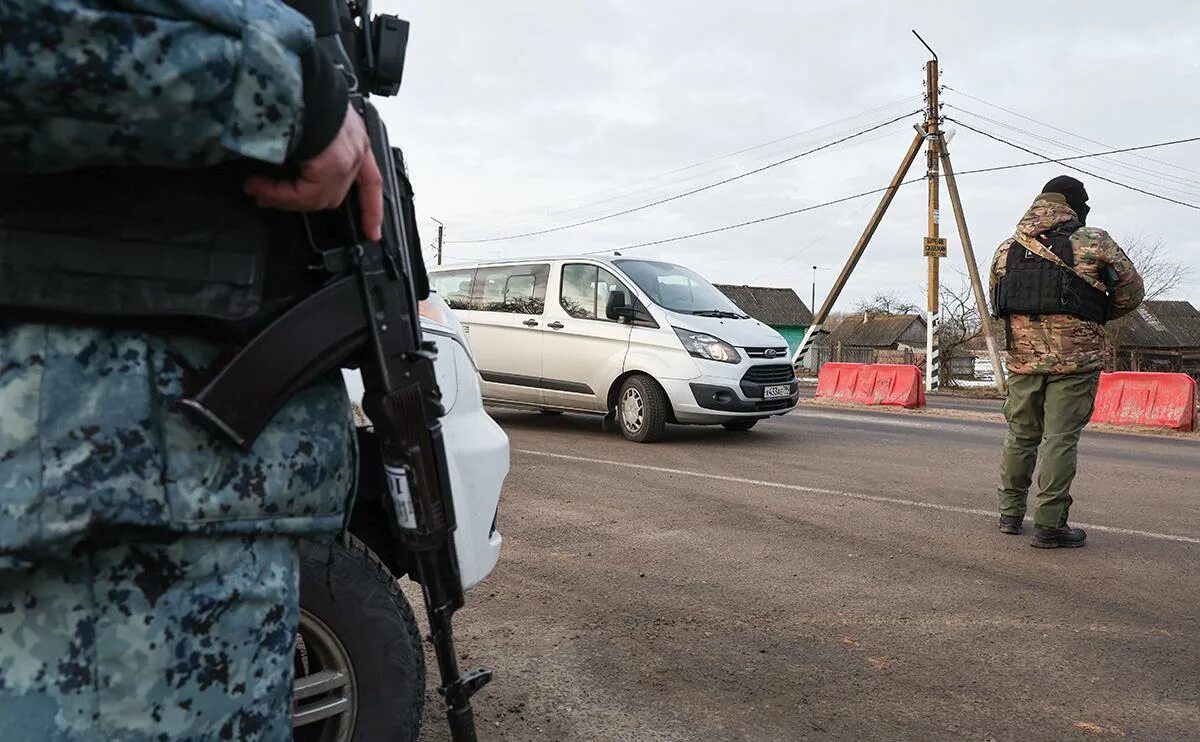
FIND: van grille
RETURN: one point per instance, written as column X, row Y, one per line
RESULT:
column 771, row 373
column 780, row 352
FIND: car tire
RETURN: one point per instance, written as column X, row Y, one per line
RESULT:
column 740, row 425
column 642, row 410
column 355, row 621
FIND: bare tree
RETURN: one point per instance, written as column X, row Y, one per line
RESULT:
column 886, row 302
column 1161, row 274
column 960, row 324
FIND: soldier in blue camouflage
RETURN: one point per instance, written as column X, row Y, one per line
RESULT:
column 148, row 575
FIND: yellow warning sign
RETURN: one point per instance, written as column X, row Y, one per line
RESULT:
column 935, row 247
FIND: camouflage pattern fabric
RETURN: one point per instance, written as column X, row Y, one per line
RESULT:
column 145, row 591
column 1063, row 343
column 91, row 439
column 148, row 580
column 157, row 82
column 185, row 639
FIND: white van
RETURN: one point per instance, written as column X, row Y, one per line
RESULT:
column 643, row 341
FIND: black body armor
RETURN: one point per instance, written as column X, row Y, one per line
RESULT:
column 1033, row 285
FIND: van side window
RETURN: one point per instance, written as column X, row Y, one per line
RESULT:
column 585, row 290
column 454, row 287
column 517, row 289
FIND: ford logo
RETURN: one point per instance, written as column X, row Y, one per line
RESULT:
column 770, row 353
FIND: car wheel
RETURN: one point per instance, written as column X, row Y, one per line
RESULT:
column 741, row 424
column 360, row 668
column 642, row 410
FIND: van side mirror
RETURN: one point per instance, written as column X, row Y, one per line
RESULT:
column 617, row 307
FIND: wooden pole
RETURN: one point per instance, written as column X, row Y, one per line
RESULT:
column 934, row 246
column 972, row 267
column 859, row 248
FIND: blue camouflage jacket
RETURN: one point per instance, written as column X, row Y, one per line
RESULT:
column 150, row 82
column 90, row 435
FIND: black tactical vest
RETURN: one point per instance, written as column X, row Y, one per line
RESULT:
column 1033, row 285
column 173, row 250
column 180, row 251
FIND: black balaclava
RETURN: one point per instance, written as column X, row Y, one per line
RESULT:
column 1072, row 190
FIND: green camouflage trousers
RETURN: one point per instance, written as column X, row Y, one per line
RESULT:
column 1046, row 414
column 187, row 638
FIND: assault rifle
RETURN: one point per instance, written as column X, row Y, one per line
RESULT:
column 366, row 315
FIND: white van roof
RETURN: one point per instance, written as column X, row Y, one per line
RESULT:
column 605, row 258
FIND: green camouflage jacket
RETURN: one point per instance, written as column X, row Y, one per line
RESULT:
column 1063, row 343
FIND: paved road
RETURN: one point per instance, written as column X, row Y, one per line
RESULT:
column 833, row 574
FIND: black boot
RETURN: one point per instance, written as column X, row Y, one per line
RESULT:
column 1010, row 524
column 1053, row 538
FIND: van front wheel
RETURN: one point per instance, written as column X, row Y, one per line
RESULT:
column 642, row 410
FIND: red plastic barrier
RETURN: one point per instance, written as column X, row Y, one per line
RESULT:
column 838, row 380
column 891, row 384
column 872, row 384
column 1140, row 398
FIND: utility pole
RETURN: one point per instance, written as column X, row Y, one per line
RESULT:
column 929, row 133
column 440, row 237
column 935, row 245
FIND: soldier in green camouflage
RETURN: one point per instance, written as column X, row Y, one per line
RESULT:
column 148, row 573
column 1054, row 284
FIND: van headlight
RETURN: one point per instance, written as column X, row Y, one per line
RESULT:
column 703, row 345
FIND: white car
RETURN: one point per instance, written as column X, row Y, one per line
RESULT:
column 643, row 341
column 360, row 668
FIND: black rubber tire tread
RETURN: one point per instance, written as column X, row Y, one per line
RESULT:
column 362, row 603
column 741, row 424
column 655, row 399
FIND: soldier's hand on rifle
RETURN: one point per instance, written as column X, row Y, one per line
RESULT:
column 326, row 179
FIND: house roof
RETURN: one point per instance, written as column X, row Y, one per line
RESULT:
column 876, row 331
column 771, row 306
column 1163, row 324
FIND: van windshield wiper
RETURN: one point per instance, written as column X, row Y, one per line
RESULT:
column 719, row 313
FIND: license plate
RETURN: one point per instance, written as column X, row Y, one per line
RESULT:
column 775, row 392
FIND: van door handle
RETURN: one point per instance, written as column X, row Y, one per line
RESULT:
column 530, row 323
column 555, row 325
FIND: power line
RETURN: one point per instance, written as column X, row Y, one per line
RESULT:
column 908, row 182
column 1118, row 164
column 658, row 187
column 1059, row 130
column 710, row 160
column 1044, row 159
column 841, row 223
column 1016, row 165
column 1174, row 180
column 691, row 192
column 760, row 220
column 1047, row 158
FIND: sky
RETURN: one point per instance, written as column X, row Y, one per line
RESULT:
column 525, row 115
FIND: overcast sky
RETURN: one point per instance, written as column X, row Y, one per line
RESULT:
column 521, row 115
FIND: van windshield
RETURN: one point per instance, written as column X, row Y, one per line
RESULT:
column 678, row 289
